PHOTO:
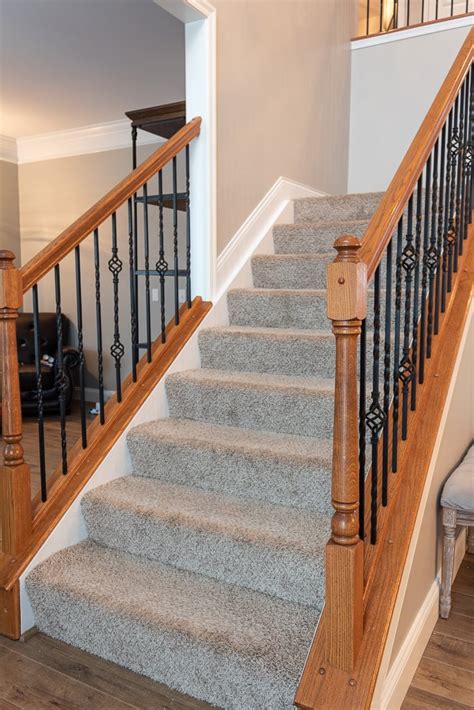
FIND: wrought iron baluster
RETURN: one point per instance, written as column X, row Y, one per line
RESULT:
column 432, row 255
column 381, row 16
column 133, row 305
column 452, row 8
column 422, row 10
column 135, row 241
column 463, row 123
column 436, row 10
column 375, row 417
column 406, row 368
column 188, row 232
column 408, row 13
column 147, row 272
column 362, row 426
column 467, row 159
column 447, row 233
column 396, row 345
column 386, row 371
column 459, row 176
column 80, row 346
column 424, row 276
column 442, row 177
column 60, row 377
column 175, row 243
column 416, row 286
column 452, row 231
column 98, row 318
column 39, row 394
column 161, row 264
column 367, row 19
column 117, row 349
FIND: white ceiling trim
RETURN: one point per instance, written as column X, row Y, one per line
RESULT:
column 8, row 150
column 78, row 141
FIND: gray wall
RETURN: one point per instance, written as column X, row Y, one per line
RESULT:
column 283, row 91
column 393, row 86
column 9, row 209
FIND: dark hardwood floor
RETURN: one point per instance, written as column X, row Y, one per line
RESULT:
column 43, row 673
column 445, row 676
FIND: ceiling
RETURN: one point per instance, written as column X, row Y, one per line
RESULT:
column 73, row 63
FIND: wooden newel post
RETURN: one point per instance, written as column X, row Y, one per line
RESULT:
column 15, row 500
column 346, row 307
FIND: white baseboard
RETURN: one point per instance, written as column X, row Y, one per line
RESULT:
column 406, row 662
column 246, row 240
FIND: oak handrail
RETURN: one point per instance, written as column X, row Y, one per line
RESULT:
column 73, row 235
column 390, row 209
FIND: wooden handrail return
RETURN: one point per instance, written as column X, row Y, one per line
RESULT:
column 25, row 526
column 362, row 579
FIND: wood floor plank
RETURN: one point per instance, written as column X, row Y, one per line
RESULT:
column 458, row 626
column 446, row 649
column 464, row 582
column 117, row 682
column 28, row 684
column 444, row 680
column 417, row 699
column 6, row 705
column 463, row 604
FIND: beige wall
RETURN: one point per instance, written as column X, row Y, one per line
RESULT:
column 457, row 435
column 283, row 92
column 9, row 209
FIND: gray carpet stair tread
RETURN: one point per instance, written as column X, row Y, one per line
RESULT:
column 267, row 402
column 252, row 544
column 292, row 271
column 283, row 469
column 351, row 206
column 285, row 351
column 230, row 646
column 278, row 308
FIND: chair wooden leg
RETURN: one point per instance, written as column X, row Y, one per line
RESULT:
column 449, row 541
column 470, row 539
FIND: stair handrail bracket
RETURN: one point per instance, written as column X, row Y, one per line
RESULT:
column 128, row 239
column 397, row 299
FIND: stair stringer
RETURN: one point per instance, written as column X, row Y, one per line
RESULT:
column 233, row 271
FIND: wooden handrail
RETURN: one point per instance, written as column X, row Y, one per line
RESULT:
column 383, row 223
column 73, row 235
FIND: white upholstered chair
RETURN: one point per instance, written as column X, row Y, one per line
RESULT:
column 457, row 503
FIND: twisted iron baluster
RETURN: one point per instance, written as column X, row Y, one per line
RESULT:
column 459, row 180
column 98, row 318
column 39, row 394
column 416, row 286
column 386, row 372
column 188, row 232
column 439, row 245
column 452, row 231
column 80, row 347
column 362, row 427
column 133, row 305
column 375, row 417
column 147, row 272
column 432, row 255
column 117, row 349
column 161, row 264
column 406, row 368
column 60, row 379
column 468, row 157
column 447, row 235
column 424, row 276
column 396, row 346
column 175, row 243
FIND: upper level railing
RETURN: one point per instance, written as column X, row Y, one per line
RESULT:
column 378, row 16
column 389, row 296
column 97, row 276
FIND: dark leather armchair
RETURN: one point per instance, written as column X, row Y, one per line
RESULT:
column 48, row 346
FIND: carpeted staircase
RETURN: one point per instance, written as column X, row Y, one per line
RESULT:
column 204, row 570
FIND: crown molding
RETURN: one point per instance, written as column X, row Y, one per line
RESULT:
column 8, row 151
column 75, row 141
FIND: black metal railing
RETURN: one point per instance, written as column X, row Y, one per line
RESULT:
column 105, row 287
column 384, row 15
column 408, row 294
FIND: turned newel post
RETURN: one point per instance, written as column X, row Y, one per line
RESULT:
column 15, row 500
column 346, row 307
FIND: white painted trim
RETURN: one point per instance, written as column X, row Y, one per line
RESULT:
column 98, row 138
column 8, row 150
column 387, row 654
column 257, row 224
column 410, row 32
column 404, row 666
column 187, row 10
column 71, row 528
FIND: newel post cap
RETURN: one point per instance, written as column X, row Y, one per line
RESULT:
column 11, row 286
column 347, row 281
